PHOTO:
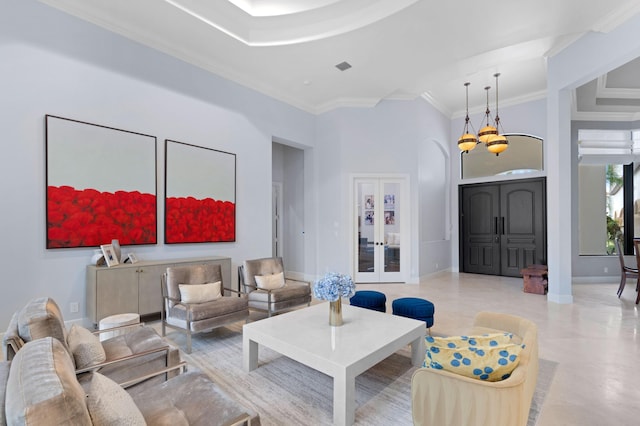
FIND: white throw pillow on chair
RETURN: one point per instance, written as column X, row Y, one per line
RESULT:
column 270, row 282
column 200, row 293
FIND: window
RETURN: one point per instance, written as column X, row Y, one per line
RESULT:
column 524, row 155
column 608, row 190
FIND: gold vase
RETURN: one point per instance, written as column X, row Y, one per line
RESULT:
column 335, row 313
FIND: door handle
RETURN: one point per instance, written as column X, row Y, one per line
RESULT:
column 502, row 225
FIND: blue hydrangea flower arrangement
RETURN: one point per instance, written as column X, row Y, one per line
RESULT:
column 333, row 286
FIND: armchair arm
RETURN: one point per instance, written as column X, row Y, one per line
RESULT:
column 11, row 346
column 299, row 281
column 165, row 349
column 253, row 287
column 233, row 290
column 172, row 299
column 118, row 327
column 182, row 366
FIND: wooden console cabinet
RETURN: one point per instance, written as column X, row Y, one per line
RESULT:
column 136, row 287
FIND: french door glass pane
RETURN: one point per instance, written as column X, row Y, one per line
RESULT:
column 366, row 227
column 391, row 227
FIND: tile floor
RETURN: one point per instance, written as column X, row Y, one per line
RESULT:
column 595, row 340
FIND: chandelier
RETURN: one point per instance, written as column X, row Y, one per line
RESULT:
column 489, row 134
column 468, row 140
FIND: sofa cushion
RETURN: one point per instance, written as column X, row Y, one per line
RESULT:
column 42, row 387
column 207, row 310
column 41, row 318
column 270, row 281
column 85, row 347
column 135, row 341
column 111, row 405
column 190, row 398
column 200, row 293
column 490, row 363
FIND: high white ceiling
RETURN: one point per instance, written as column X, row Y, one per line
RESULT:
column 398, row 49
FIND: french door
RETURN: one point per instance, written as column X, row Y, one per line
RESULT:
column 380, row 240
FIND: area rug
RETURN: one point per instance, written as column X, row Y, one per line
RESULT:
column 285, row 392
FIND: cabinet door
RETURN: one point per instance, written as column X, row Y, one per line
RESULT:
column 480, row 226
column 116, row 291
column 149, row 288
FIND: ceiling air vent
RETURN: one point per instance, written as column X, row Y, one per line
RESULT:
column 343, row 66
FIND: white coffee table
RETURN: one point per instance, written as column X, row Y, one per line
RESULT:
column 366, row 338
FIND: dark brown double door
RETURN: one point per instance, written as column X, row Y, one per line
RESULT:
column 503, row 227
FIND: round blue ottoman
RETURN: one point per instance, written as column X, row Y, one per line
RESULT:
column 369, row 299
column 414, row 307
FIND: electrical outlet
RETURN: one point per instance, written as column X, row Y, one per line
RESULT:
column 73, row 307
column 436, row 266
column 606, row 269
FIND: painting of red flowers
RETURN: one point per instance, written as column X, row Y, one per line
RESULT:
column 200, row 191
column 101, row 185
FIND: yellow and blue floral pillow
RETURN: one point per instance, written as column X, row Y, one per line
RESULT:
column 489, row 357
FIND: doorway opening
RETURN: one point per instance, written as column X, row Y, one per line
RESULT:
column 287, row 207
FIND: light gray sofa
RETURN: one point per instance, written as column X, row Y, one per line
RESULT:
column 39, row 387
column 139, row 351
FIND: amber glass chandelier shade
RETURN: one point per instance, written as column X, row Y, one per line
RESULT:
column 487, row 132
column 467, row 142
column 497, row 143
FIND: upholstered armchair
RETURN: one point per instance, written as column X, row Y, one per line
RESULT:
column 441, row 397
column 196, row 300
column 268, row 290
column 138, row 351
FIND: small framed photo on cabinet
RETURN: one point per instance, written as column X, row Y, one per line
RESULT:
column 109, row 255
column 132, row 258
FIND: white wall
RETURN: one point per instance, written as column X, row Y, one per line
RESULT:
column 393, row 137
column 586, row 59
column 56, row 64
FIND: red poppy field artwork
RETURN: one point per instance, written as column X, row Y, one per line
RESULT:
column 101, row 185
column 87, row 218
column 200, row 194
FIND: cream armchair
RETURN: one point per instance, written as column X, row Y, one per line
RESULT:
column 440, row 397
column 193, row 309
column 267, row 288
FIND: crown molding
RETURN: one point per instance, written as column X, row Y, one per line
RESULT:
column 437, row 105
column 347, row 103
column 617, row 17
column 604, row 116
column 529, row 97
